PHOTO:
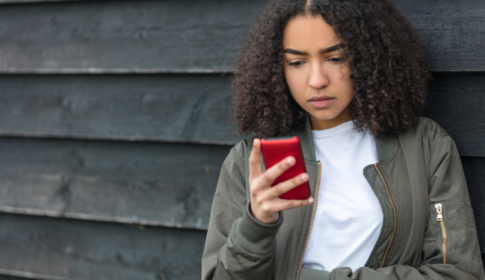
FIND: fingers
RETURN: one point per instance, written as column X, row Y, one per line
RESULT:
column 285, row 204
column 255, row 159
column 287, row 185
column 269, row 207
column 270, row 175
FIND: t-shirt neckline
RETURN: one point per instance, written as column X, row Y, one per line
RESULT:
column 334, row 130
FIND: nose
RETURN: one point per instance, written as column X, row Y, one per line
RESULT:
column 318, row 78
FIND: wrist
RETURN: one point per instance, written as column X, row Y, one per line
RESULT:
column 262, row 218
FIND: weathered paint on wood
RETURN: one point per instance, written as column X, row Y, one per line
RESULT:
column 193, row 36
column 123, row 36
column 177, row 108
column 33, row 1
column 162, row 184
column 186, row 108
column 169, row 185
column 474, row 168
column 456, row 103
column 52, row 249
column 9, row 277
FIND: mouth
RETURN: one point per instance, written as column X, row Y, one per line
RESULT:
column 319, row 102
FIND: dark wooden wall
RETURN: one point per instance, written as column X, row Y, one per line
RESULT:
column 114, row 124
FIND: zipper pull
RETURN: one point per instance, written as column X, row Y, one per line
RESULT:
column 439, row 210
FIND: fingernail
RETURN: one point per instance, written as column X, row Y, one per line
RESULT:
column 304, row 177
column 310, row 200
column 290, row 161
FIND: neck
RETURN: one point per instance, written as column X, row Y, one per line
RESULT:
column 326, row 124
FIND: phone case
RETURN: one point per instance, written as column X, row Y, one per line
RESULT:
column 275, row 150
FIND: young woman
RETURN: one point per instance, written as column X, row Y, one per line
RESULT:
column 389, row 198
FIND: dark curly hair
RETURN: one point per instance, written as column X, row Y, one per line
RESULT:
column 386, row 59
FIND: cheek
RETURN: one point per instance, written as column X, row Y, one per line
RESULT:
column 346, row 86
column 296, row 84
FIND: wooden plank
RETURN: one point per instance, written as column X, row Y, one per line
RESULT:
column 9, row 277
column 187, row 36
column 67, row 249
column 168, row 185
column 474, row 168
column 456, row 103
column 52, row 249
column 33, row 1
column 178, row 108
column 123, row 36
column 453, row 32
column 186, row 108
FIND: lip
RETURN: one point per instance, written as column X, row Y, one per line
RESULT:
column 319, row 102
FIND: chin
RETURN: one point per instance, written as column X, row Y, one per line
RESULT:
column 325, row 117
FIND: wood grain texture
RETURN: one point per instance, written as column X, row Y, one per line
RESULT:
column 162, row 184
column 55, row 249
column 178, row 108
column 68, row 249
column 456, row 103
column 474, row 168
column 453, row 32
column 9, row 277
column 34, row 1
column 169, row 185
column 123, row 36
column 190, row 36
column 186, row 108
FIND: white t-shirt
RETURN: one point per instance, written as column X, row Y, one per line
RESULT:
column 348, row 218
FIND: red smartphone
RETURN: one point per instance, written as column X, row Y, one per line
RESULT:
column 275, row 150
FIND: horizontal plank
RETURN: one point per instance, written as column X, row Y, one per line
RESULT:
column 55, row 249
column 123, row 36
column 456, row 103
column 33, row 1
column 193, row 36
column 67, row 249
column 474, row 168
column 177, row 108
column 168, row 185
column 10, row 277
column 186, row 108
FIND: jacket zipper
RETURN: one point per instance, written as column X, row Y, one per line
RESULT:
column 394, row 212
column 439, row 218
column 313, row 217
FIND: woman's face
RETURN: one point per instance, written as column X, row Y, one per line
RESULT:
column 318, row 78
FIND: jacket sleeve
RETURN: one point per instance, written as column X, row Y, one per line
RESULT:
column 237, row 245
column 456, row 259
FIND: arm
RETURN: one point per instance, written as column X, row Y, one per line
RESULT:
column 246, row 250
column 463, row 259
column 237, row 245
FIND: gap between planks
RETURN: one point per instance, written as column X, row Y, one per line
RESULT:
column 88, row 217
column 23, row 274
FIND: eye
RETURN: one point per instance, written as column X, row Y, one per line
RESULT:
column 296, row 63
column 335, row 59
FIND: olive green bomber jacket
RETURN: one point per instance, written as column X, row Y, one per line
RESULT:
column 428, row 227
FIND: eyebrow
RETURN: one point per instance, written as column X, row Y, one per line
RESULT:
column 329, row 49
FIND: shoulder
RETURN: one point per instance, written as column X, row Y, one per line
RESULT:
column 426, row 133
column 243, row 148
column 431, row 129
column 238, row 156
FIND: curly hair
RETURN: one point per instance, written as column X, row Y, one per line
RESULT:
column 386, row 60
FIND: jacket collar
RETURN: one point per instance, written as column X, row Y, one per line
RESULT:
column 385, row 147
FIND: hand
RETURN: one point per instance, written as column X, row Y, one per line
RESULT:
column 265, row 201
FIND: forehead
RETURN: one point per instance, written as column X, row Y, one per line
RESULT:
column 308, row 32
